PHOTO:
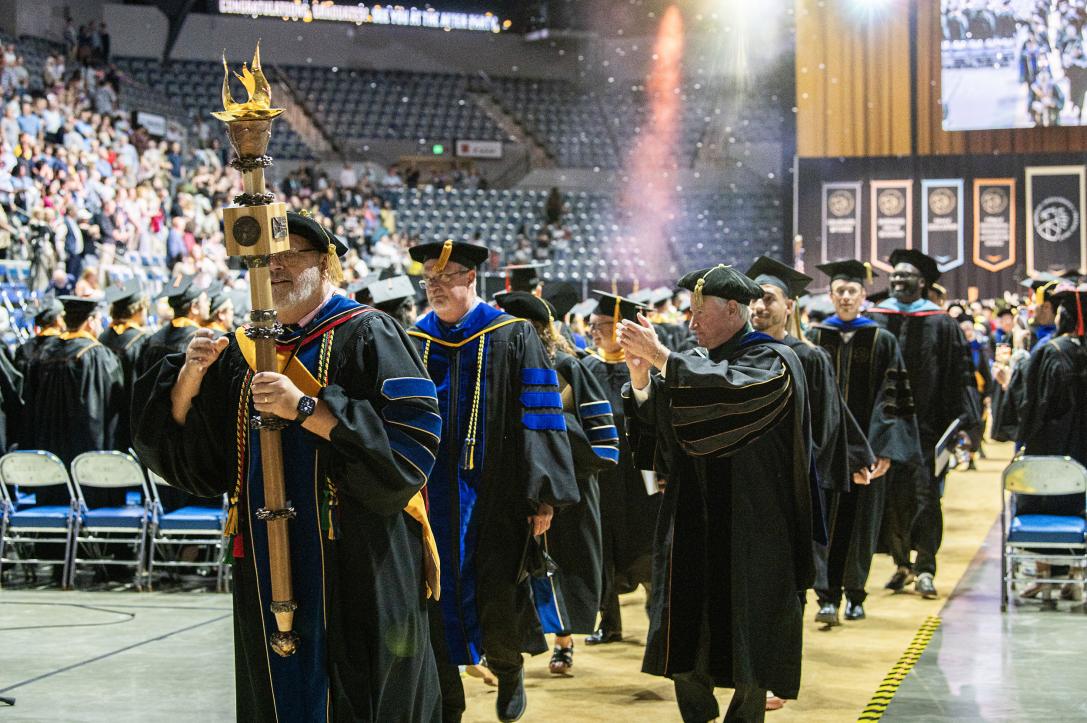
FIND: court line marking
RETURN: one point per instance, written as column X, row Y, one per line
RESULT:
column 885, row 693
column 110, row 654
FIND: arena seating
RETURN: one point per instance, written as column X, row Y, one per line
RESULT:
column 198, row 86
column 733, row 227
column 358, row 105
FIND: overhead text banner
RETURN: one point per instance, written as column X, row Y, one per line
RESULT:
column 892, row 219
column 1056, row 236
column 841, row 204
column 941, row 222
column 994, row 223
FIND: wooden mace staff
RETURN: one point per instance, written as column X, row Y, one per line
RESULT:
column 256, row 228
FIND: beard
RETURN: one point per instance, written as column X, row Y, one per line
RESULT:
column 305, row 286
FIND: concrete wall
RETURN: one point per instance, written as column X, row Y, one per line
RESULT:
column 45, row 18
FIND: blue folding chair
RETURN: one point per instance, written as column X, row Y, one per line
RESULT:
column 24, row 524
column 193, row 525
column 110, row 525
column 1046, row 538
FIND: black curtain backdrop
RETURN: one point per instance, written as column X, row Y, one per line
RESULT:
column 813, row 172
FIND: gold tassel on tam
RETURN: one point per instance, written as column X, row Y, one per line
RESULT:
column 867, row 273
column 447, row 251
column 696, row 295
column 335, row 270
column 616, row 316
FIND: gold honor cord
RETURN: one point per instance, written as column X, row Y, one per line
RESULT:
column 883, row 696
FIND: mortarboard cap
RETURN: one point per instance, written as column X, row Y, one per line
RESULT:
column 78, row 305
column 314, row 233
column 721, row 281
column 766, row 270
column 360, row 290
column 525, row 306
column 924, row 263
column 180, row 292
column 659, row 295
column 641, row 297
column 1073, row 300
column 390, row 292
column 585, row 308
column 849, row 270
column 128, row 292
column 1045, row 286
column 48, row 310
column 467, row 255
column 524, row 277
column 217, row 296
column 618, row 307
column 563, row 296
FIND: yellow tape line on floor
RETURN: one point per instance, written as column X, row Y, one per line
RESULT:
column 877, row 706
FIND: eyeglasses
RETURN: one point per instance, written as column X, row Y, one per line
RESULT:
column 292, row 257
column 601, row 325
column 444, row 279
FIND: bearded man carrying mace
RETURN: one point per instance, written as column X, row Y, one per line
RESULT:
column 335, row 628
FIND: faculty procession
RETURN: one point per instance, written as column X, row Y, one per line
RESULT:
column 704, row 444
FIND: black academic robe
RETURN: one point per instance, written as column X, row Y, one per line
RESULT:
column 126, row 341
column 568, row 602
column 1006, row 403
column 939, row 369
column 1054, row 416
column 11, row 403
column 735, row 531
column 356, row 552
column 504, row 449
column 33, row 348
column 872, row 379
column 73, row 396
column 628, row 513
column 170, row 339
column 838, row 441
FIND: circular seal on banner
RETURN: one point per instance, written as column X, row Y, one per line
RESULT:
column 1055, row 219
column 891, row 202
column 994, row 201
column 841, row 203
column 942, row 201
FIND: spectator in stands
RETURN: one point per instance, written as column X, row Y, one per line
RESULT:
column 348, row 177
column 9, row 126
column 392, row 179
column 29, row 122
column 553, row 208
column 177, row 163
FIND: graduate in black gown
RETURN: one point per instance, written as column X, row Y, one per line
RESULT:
column 396, row 297
column 73, row 393
column 872, row 378
column 843, row 459
column 628, row 511
column 363, row 432
column 503, row 466
column 220, row 318
column 941, row 379
column 49, row 325
column 190, row 307
column 567, row 602
column 735, row 532
column 125, row 337
column 11, row 403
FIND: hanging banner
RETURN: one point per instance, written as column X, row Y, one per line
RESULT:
column 892, row 220
column 994, row 223
column 841, row 221
column 941, row 222
column 1056, row 236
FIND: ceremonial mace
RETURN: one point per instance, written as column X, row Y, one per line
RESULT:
column 256, row 227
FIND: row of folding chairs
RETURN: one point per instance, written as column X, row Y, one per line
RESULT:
column 44, row 509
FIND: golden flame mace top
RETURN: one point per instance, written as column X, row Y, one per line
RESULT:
column 259, row 104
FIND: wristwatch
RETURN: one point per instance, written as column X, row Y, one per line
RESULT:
column 306, row 406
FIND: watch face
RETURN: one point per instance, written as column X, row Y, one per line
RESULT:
column 306, row 405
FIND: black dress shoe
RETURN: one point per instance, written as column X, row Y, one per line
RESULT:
column 511, row 702
column 900, row 579
column 828, row 614
column 603, row 636
column 854, row 611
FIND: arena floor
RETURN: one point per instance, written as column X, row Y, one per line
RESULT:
column 119, row 656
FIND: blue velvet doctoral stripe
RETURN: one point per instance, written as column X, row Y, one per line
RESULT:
column 913, row 307
column 838, row 323
column 545, row 421
column 534, row 376
column 603, row 434
column 409, row 416
column 407, row 388
column 300, row 682
column 549, row 607
column 334, row 307
column 414, row 451
column 595, row 409
column 541, row 400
